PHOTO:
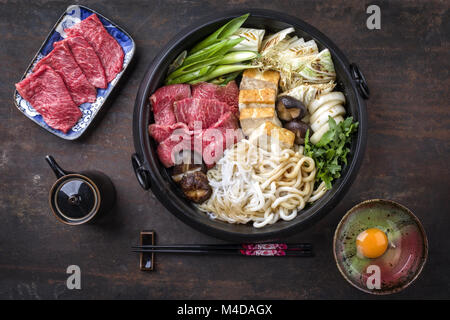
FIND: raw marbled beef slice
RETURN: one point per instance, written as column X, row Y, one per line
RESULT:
column 45, row 90
column 107, row 48
column 228, row 94
column 162, row 132
column 87, row 60
column 62, row 61
column 203, row 111
column 220, row 136
column 162, row 102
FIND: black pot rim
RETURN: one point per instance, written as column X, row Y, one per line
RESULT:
column 175, row 204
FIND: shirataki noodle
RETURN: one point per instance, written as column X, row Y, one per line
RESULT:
column 253, row 185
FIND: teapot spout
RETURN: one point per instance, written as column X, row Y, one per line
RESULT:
column 59, row 172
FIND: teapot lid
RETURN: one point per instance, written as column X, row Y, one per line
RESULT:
column 75, row 198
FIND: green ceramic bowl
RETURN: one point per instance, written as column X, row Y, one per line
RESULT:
column 402, row 262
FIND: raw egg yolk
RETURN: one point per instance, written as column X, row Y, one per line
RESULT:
column 372, row 243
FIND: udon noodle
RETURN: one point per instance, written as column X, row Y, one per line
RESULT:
column 253, row 185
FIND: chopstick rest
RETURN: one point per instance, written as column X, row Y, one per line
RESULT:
column 147, row 259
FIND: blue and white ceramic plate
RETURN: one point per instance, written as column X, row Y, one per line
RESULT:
column 71, row 16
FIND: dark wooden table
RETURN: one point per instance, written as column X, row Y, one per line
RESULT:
column 407, row 160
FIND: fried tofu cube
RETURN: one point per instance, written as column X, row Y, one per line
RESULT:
column 256, row 79
column 271, row 137
column 257, row 98
column 252, row 118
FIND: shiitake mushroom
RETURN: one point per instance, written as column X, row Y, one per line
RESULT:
column 196, row 187
column 187, row 161
column 192, row 178
column 289, row 108
column 299, row 128
column 179, row 171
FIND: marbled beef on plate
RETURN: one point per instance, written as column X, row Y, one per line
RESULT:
column 228, row 94
column 45, row 90
column 62, row 61
column 87, row 60
column 205, row 112
column 108, row 50
column 163, row 99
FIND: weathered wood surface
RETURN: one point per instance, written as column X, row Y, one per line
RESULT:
column 407, row 159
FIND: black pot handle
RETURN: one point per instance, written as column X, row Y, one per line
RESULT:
column 141, row 173
column 360, row 80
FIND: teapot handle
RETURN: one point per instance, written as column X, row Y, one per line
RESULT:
column 59, row 172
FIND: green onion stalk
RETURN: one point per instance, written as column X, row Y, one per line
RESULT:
column 212, row 59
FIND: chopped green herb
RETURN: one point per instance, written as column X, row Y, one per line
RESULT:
column 330, row 153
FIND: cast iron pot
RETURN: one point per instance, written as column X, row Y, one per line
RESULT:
column 152, row 174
